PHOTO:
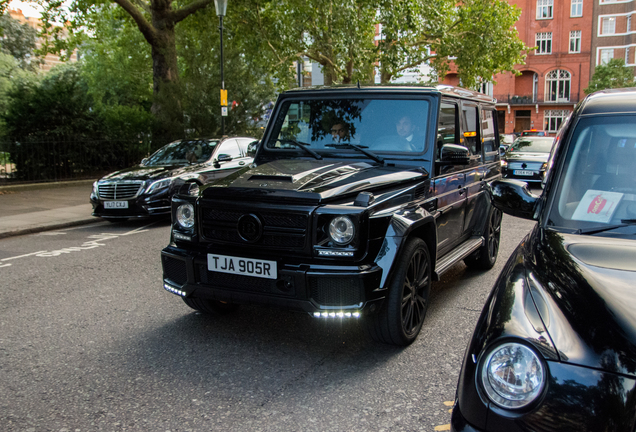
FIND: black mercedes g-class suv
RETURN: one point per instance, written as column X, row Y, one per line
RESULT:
column 357, row 199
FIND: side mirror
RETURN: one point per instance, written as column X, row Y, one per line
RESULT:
column 454, row 154
column 252, row 148
column 224, row 158
column 513, row 197
column 144, row 160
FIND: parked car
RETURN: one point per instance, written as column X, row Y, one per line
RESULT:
column 146, row 189
column 534, row 132
column 555, row 346
column 357, row 199
column 527, row 158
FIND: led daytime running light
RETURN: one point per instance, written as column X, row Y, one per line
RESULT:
column 339, row 314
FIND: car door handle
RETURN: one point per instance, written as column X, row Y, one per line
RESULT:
column 461, row 191
column 241, row 163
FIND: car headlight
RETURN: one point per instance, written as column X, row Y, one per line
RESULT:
column 544, row 166
column 504, row 163
column 341, row 230
column 185, row 215
column 513, row 375
column 95, row 190
column 158, row 185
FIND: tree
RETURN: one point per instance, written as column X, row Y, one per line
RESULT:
column 478, row 34
column 614, row 74
column 157, row 21
column 18, row 40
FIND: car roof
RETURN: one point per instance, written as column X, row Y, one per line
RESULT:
column 611, row 101
column 444, row 90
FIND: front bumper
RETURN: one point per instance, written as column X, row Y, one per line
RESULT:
column 298, row 286
column 139, row 207
column 459, row 423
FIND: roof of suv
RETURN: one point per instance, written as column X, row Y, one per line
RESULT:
column 610, row 101
column 440, row 89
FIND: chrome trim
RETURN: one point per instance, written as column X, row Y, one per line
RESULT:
column 107, row 190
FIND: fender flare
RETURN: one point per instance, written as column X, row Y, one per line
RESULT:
column 402, row 225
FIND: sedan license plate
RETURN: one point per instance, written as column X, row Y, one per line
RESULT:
column 242, row 266
column 116, row 204
column 523, row 173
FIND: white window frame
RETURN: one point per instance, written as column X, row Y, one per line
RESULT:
column 575, row 41
column 545, row 9
column 559, row 81
column 544, row 43
column 605, row 55
column 608, row 25
column 576, row 8
column 553, row 119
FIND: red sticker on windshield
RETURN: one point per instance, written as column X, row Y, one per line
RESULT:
column 597, row 204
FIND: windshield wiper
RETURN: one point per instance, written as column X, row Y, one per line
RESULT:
column 371, row 155
column 302, row 146
column 595, row 230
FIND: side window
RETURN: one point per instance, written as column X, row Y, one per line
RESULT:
column 489, row 131
column 243, row 145
column 230, row 148
column 471, row 133
column 447, row 125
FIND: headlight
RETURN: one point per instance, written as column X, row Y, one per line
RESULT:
column 185, row 215
column 544, row 166
column 504, row 163
column 95, row 190
column 341, row 230
column 159, row 184
column 513, row 375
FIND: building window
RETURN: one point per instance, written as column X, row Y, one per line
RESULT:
column 606, row 55
column 554, row 118
column 544, row 9
column 544, row 43
column 608, row 26
column 557, row 86
column 576, row 9
column 627, row 55
column 575, row 41
column 629, row 23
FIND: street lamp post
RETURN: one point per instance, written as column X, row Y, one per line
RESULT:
column 221, row 8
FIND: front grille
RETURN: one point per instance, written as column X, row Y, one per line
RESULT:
column 174, row 269
column 119, row 190
column 336, row 291
column 284, row 229
column 532, row 166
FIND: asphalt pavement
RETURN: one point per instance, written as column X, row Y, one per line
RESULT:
column 32, row 208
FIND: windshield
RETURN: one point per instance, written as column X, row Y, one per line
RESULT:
column 542, row 145
column 182, row 153
column 533, row 133
column 598, row 184
column 377, row 125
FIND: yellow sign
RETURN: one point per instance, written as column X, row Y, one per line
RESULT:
column 223, row 97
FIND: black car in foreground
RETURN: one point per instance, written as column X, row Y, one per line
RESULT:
column 527, row 158
column 146, row 189
column 357, row 199
column 555, row 346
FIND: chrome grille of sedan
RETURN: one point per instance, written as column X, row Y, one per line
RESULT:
column 119, row 190
column 533, row 166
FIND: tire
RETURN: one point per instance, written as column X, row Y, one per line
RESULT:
column 210, row 306
column 485, row 257
column 402, row 314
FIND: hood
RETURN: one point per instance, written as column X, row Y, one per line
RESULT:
column 588, row 286
column 312, row 180
column 141, row 172
column 527, row 156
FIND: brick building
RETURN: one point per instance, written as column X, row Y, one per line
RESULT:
column 50, row 60
column 614, row 32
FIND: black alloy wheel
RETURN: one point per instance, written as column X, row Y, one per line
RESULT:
column 486, row 256
column 210, row 306
column 400, row 319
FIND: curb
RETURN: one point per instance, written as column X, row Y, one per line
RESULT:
column 38, row 229
column 32, row 186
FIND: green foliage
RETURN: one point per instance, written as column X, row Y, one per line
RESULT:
column 18, row 40
column 614, row 74
column 10, row 74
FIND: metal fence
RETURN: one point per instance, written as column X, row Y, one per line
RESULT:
column 36, row 160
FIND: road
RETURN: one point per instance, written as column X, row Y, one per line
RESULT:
column 90, row 341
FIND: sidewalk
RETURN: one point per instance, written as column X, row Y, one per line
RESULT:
column 26, row 209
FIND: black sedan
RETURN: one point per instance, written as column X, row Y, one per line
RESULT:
column 526, row 159
column 146, row 189
column 555, row 346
